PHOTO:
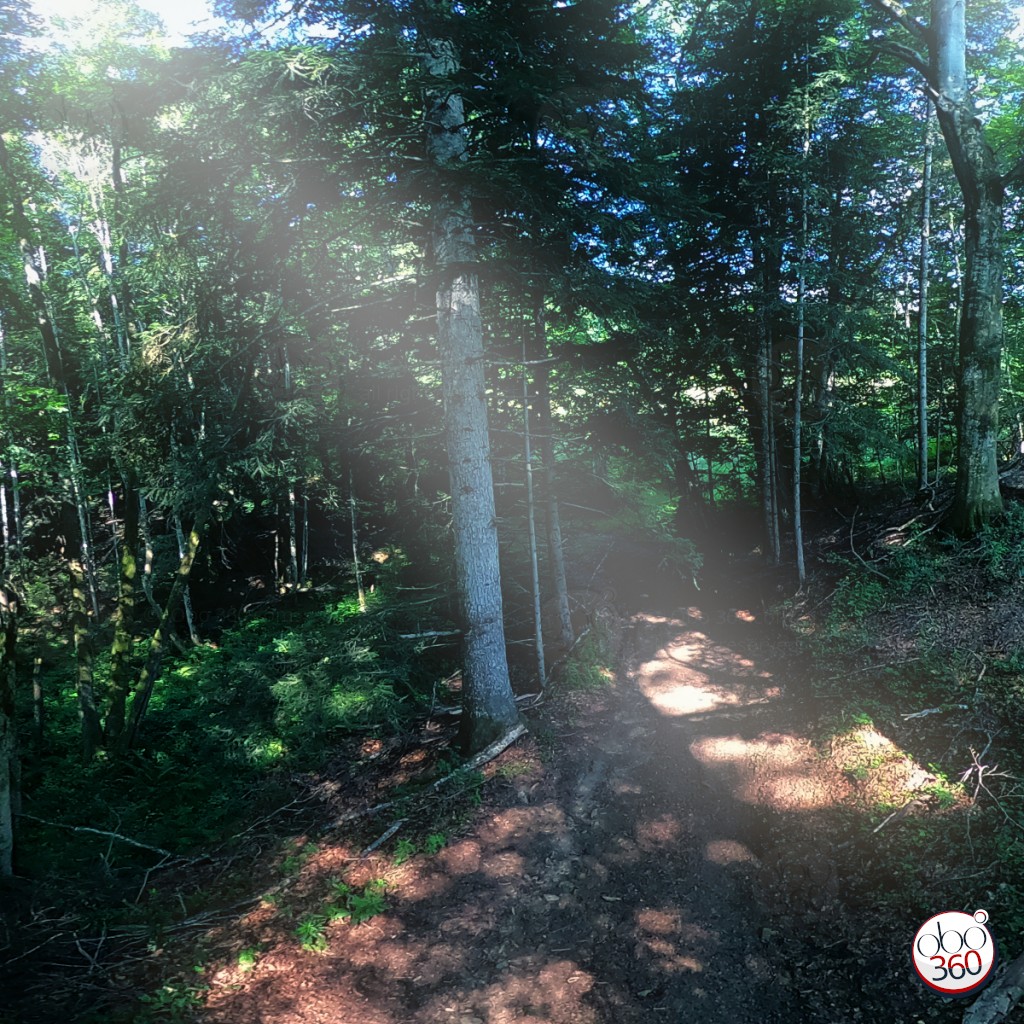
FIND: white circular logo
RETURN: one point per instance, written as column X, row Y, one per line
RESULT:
column 954, row 953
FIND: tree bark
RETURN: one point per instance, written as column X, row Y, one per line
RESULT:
column 531, row 522
column 798, row 372
column 92, row 732
column 158, row 643
column 976, row 498
column 922, row 305
column 489, row 708
column 8, row 736
column 121, row 648
column 556, row 555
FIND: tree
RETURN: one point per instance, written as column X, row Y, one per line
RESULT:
column 489, row 709
column 942, row 64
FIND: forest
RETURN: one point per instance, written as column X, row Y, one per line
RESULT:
column 510, row 511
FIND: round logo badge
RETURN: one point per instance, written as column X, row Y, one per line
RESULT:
column 954, row 953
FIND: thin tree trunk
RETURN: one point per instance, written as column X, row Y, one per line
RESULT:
column 122, row 647
column 304, row 572
column 556, row 556
column 293, row 539
column 148, row 556
column 9, row 773
column 801, row 312
column 92, row 732
column 922, row 304
column 82, row 514
column 186, row 594
column 357, row 569
column 531, row 522
column 158, row 643
column 5, row 528
column 489, row 708
column 38, row 707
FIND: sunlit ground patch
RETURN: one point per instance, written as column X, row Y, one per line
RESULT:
column 728, row 851
column 675, row 689
column 772, row 770
column 664, row 830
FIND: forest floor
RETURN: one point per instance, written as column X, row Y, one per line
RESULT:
column 675, row 842
column 700, row 826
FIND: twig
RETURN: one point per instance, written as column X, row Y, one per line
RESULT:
column 897, row 815
column 380, row 841
column 29, row 952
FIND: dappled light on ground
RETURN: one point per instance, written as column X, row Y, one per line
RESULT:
column 610, row 884
column 683, row 677
column 770, row 770
column 728, row 851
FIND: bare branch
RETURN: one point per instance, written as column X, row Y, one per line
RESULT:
column 913, row 59
column 99, row 832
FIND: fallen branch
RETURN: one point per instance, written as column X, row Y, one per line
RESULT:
column 485, row 755
column 430, row 633
column 934, row 711
column 380, row 841
column 99, row 832
column 996, row 1002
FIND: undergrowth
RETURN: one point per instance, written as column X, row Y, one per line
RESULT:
column 228, row 724
column 885, row 645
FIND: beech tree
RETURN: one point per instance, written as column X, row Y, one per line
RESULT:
column 938, row 52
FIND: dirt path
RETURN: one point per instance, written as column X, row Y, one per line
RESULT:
column 659, row 850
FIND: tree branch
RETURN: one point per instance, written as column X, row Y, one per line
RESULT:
column 912, row 58
column 897, row 12
column 99, row 832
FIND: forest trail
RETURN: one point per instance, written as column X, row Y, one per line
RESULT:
column 625, row 881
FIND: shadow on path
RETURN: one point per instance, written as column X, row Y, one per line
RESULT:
column 628, row 883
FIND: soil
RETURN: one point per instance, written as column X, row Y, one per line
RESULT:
column 669, row 845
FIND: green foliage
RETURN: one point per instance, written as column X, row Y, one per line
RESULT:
column 405, row 849
column 343, row 903
column 311, row 933
column 591, row 665
column 247, row 958
column 999, row 551
column 171, row 1004
column 434, row 843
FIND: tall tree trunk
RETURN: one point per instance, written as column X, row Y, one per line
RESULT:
column 158, row 643
column 293, row 539
column 546, row 443
column 798, row 382
column 8, row 737
column 186, row 594
column 489, row 709
column 976, row 498
column 148, row 556
column 922, row 305
column 531, row 523
column 304, row 570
